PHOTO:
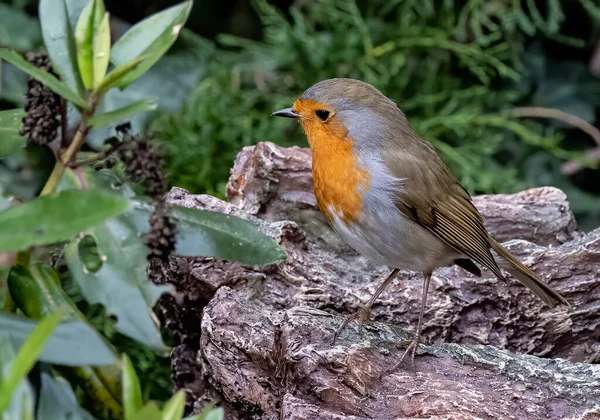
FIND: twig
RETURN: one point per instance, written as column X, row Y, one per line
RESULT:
column 91, row 159
column 63, row 123
column 63, row 160
column 573, row 166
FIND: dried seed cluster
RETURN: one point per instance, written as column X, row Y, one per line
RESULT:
column 161, row 236
column 142, row 159
column 41, row 122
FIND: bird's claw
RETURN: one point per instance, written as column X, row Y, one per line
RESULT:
column 363, row 315
column 409, row 354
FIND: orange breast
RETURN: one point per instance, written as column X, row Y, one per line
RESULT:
column 339, row 181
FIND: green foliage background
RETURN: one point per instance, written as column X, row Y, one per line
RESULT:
column 454, row 67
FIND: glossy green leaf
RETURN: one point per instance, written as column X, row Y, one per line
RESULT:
column 29, row 352
column 212, row 234
column 21, row 403
column 11, row 122
column 101, row 50
column 86, row 33
column 152, row 37
column 13, row 83
column 174, row 408
column 58, row 401
column 132, row 392
column 44, row 77
column 37, row 293
column 118, row 74
column 54, row 218
column 143, row 105
column 218, row 235
column 73, row 343
column 208, row 413
column 59, row 40
column 121, row 284
column 149, row 412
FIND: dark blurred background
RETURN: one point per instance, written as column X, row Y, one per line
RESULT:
column 467, row 74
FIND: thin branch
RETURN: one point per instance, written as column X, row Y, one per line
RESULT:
column 63, row 123
column 557, row 114
column 573, row 166
column 91, row 159
column 63, row 160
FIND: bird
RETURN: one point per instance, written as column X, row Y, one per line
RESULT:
column 389, row 195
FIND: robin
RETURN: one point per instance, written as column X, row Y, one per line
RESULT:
column 388, row 194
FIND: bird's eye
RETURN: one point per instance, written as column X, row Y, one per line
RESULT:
column 322, row 114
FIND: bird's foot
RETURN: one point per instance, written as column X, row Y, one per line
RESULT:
column 363, row 315
column 409, row 354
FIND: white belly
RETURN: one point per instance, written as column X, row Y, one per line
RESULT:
column 384, row 235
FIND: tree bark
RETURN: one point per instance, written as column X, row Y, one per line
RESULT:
column 259, row 338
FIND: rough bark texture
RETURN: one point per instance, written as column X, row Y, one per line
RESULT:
column 259, row 338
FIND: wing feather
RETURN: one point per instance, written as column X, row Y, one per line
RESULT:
column 436, row 201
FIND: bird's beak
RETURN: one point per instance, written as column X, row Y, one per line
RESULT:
column 287, row 113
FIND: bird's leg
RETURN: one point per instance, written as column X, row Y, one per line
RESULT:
column 414, row 343
column 364, row 314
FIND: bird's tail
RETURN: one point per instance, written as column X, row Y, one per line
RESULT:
column 526, row 276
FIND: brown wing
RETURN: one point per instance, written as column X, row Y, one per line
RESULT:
column 432, row 197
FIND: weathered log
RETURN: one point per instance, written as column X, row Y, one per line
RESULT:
column 281, row 364
column 272, row 187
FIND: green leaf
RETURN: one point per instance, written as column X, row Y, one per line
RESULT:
column 86, row 32
column 37, row 293
column 44, row 77
column 101, row 51
column 73, row 343
column 22, row 399
column 149, row 412
column 208, row 413
column 174, row 408
column 13, row 83
column 11, row 122
column 152, row 37
column 132, row 392
column 218, row 235
column 58, row 401
column 116, row 75
column 143, row 105
column 54, row 218
column 28, row 354
column 216, row 414
column 22, row 402
column 121, row 284
column 60, row 43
